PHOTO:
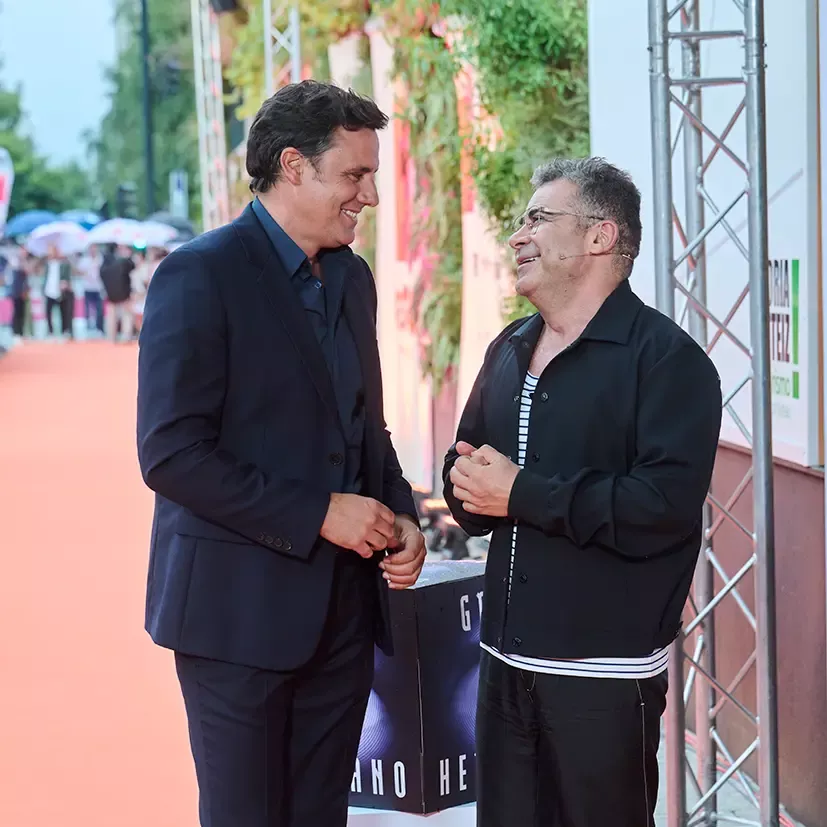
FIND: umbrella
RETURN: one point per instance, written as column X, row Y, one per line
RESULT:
column 116, row 231
column 155, row 234
column 86, row 218
column 184, row 227
column 25, row 222
column 68, row 237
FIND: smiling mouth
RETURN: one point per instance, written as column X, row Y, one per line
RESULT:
column 353, row 216
column 523, row 261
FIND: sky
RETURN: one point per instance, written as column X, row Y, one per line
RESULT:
column 57, row 50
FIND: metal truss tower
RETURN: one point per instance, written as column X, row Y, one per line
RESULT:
column 282, row 34
column 685, row 145
column 209, row 95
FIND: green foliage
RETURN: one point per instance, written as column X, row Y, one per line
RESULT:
column 427, row 67
column 38, row 184
column 322, row 23
column 531, row 62
column 440, row 314
column 119, row 146
column 245, row 72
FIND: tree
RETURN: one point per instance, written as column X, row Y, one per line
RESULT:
column 119, row 146
column 38, row 185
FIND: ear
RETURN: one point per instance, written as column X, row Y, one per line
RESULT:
column 604, row 239
column 292, row 165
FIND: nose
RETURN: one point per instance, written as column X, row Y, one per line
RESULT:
column 519, row 238
column 369, row 195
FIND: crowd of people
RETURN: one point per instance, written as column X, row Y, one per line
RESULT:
column 110, row 280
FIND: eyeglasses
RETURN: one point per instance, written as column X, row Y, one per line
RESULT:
column 535, row 216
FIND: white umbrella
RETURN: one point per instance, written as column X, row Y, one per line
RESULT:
column 156, row 234
column 69, row 238
column 116, row 231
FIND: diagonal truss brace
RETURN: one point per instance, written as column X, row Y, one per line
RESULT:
column 282, row 46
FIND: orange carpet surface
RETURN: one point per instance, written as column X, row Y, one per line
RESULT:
column 93, row 727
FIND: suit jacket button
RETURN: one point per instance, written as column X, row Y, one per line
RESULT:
column 517, row 398
column 524, row 578
column 287, row 545
column 517, row 642
column 277, row 542
column 262, row 538
column 336, row 459
column 535, row 457
column 544, row 397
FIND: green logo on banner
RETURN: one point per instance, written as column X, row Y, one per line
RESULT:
column 784, row 327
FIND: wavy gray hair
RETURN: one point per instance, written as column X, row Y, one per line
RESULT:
column 603, row 190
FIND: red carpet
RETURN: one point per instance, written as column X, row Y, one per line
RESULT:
column 93, row 728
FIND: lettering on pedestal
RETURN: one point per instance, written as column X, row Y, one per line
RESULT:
column 397, row 778
column 465, row 609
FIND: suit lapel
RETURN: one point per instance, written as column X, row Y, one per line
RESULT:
column 359, row 319
column 357, row 314
column 286, row 305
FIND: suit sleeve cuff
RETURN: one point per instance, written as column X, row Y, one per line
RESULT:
column 401, row 503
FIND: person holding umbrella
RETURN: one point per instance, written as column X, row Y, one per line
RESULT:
column 19, row 293
column 58, row 292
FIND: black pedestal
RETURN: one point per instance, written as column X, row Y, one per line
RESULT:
column 417, row 749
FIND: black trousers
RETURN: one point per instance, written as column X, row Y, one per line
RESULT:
column 278, row 749
column 556, row 751
column 18, row 319
column 66, row 305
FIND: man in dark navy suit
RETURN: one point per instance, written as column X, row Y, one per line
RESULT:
column 281, row 512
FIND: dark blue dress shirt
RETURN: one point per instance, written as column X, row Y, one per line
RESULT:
column 322, row 301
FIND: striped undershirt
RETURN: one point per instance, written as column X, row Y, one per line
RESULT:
column 636, row 668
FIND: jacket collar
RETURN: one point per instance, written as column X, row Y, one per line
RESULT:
column 292, row 257
column 288, row 309
column 254, row 241
column 613, row 321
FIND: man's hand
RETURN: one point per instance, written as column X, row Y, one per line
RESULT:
column 466, row 449
column 483, row 479
column 358, row 523
column 402, row 568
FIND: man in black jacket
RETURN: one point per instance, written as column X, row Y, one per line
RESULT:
column 586, row 447
column 278, row 491
column 116, row 275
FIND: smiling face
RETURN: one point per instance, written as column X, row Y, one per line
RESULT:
column 559, row 242
column 331, row 193
column 550, row 246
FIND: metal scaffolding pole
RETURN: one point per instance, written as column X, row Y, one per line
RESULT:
column 682, row 269
column 282, row 33
column 209, row 97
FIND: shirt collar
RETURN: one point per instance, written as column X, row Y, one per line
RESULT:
column 291, row 255
column 612, row 322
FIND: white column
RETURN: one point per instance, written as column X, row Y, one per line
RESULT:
column 407, row 395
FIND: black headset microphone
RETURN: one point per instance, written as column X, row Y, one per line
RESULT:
column 576, row 255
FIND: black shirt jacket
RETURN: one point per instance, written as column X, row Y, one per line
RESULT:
column 621, row 444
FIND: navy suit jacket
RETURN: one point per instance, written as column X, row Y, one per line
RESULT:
column 239, row 436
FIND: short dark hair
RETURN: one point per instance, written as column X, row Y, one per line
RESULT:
column 604, row 190
column 304, row 115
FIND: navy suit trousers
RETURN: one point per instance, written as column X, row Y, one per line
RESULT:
column 278, row 749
